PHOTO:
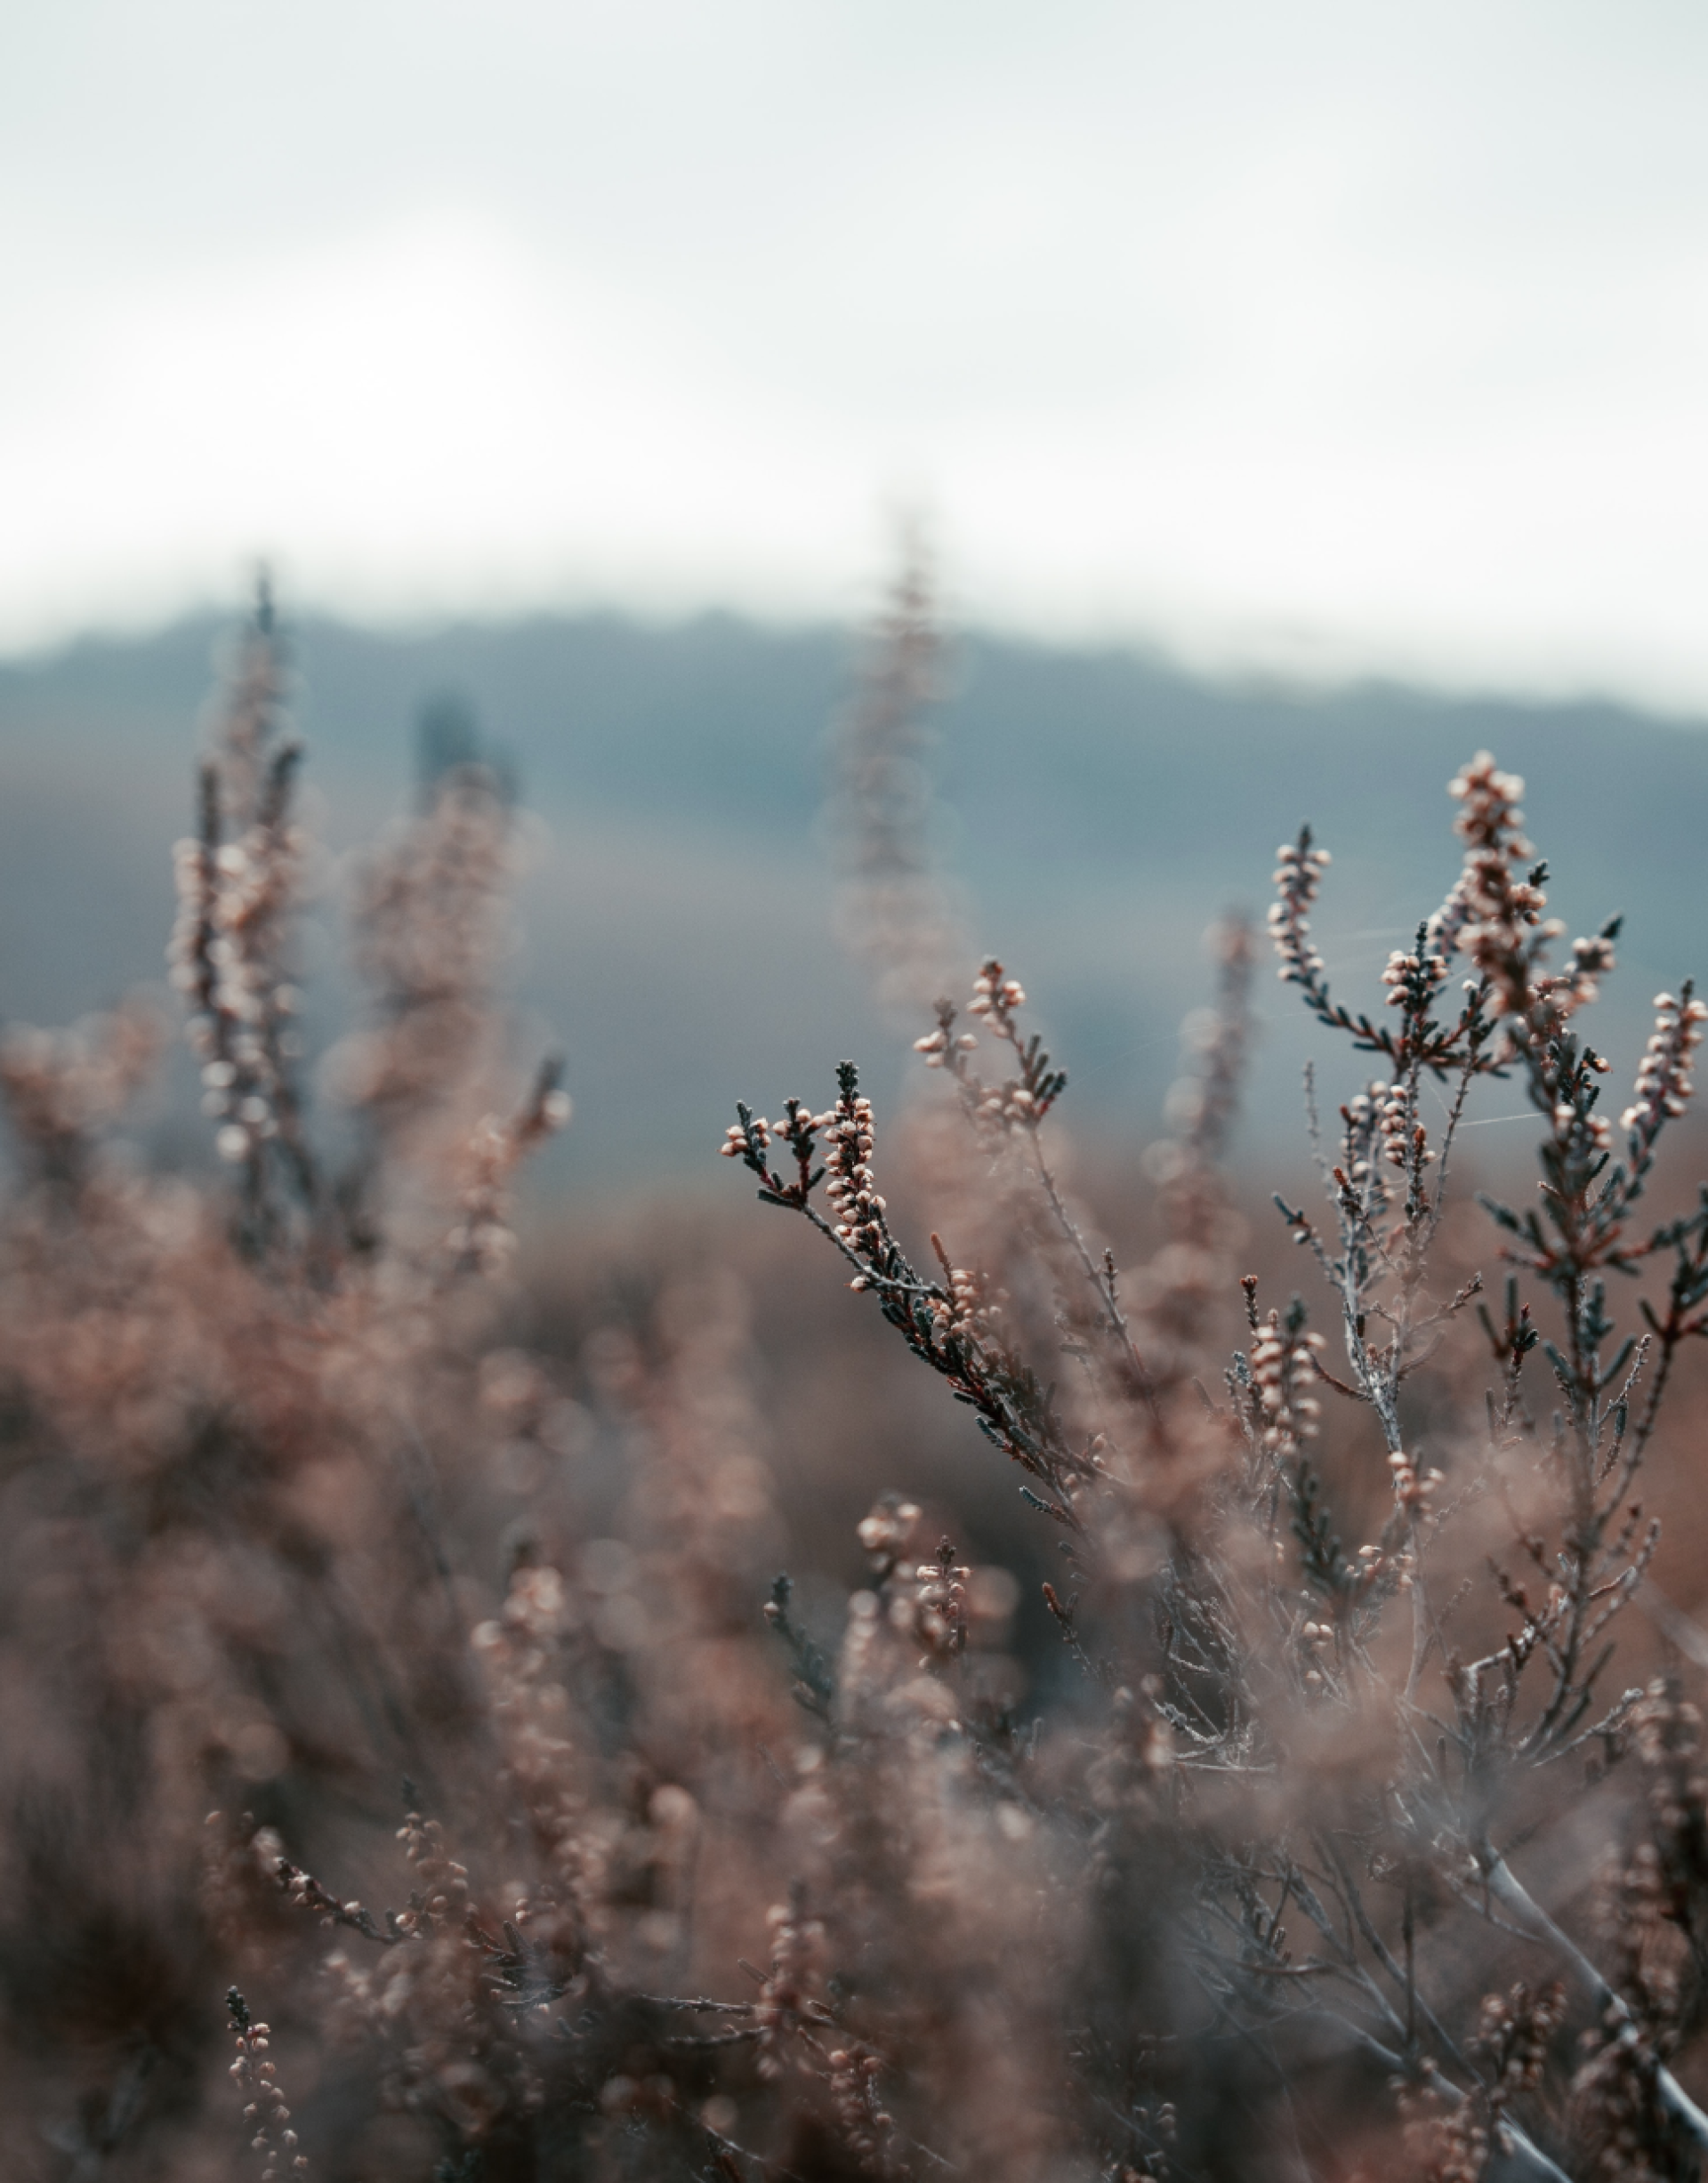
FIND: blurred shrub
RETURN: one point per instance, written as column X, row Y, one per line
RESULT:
column 1217, row 1825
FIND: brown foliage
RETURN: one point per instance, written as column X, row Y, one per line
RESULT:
column 553, row 1833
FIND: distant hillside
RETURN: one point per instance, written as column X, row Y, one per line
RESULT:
column 1099, row 809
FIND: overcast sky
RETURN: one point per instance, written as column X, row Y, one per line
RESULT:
column 1281, row 333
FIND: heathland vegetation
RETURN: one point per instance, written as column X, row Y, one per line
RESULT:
column 1231, row 1708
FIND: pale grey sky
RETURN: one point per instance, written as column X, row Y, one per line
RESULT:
column 1282, row 333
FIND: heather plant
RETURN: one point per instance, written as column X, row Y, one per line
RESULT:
column 1298, row 1764
column 897, row 916
column 420, row 1766
column 228, row 1575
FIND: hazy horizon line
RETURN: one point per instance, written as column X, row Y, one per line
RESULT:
column 1307, row 669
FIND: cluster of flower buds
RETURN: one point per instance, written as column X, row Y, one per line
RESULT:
column 428, row 906
column 969, row 1312
column 849, row 1140
column 1560, row 994
column 1200, row 1105
column 751, row 1136
column 440, row 1897
column 887, row 1531
column 1492, row 909
column 303, row 1891
column 428, row 932
column 858, row 1659
column 797, row 1947
column 938, row 1045
column 1592, row 957
column 1570, row 1115
column 517, row 1651
column 1414, row 1489
column 1461, row 2143
column 1448, row 2141
column 1000, row 1109
column 798, row 1129
column 1666, row 1729
column 1282, row 1373
column 1363, row 1116
column 1515, row 2032
column 854, row 2073
column 225, row 957
column 995, row 995
column 1377, row 1561
column 1023, row 1100
column 957, row 1315
column 936, row 1615
column 1664, row 1082
column 1645, row 1900
column 1615, row 2088
column 235, row 897
column 1413, row 979
column 536, row 1603
column 1316, row 1637
column 1404, row 1140
column 1138, row 1752
column 481, row 1241
column 1491, row 818
column 58, row 1085
column 1393, row 1117
column 257, row 2082
column 1298, row 877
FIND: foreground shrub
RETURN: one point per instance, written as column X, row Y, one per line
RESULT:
column 553, row 1833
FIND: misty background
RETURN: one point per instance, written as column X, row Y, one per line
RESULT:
column 1322, row 339
column 1300, row 398
column 1097, row 810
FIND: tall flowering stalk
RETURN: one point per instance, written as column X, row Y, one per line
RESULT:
column 896, row 914
column 238, row 881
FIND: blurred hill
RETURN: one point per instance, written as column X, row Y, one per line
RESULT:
column 1098, row 809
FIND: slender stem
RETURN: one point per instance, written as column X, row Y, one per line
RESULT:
column 1507, row 1890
